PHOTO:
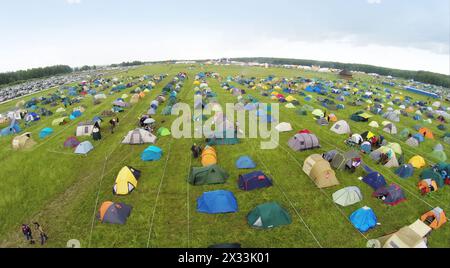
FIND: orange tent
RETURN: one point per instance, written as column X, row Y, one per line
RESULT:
column 434, row 218
column 209, row 156
column 333, row 118
column 426, row 133
column 427, row 186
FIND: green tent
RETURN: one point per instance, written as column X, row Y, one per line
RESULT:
column 302, row 112
column 429, row 173
column 207, row 175
column 440, row 155
column 226, row 138
column 60, row 121
column 162, row 132
column 268, row 215
column 405, row 133
column 167, row 111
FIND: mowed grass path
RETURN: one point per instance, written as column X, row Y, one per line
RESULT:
column 64, row 191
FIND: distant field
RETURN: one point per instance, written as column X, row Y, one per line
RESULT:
column 63, row 191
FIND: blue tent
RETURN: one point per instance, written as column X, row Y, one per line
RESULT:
column 308, row 98
column 152, row 153
column 417, row 117
column 366, row 147
column 364, row 219
column 405, row 171
column 375, row 180
column 419, row 137
column 245, row 162
column 76, row 114
column 45, row 133
column 84, row 148
column 217, row 202
column 254, row 180
column 12, row 129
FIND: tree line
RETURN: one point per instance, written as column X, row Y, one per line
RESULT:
column 420, row 76
column 23, row 75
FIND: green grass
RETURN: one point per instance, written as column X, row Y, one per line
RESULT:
column 63, row 191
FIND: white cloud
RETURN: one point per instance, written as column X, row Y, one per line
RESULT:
column 73, row 2
column 372, row 2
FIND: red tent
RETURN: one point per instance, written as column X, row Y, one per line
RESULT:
column 304, row 131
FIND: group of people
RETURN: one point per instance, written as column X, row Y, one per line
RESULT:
column 28, row 233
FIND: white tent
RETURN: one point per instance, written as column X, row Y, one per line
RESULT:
column 341, row 127
column 374, row 124
column 284, row 127
column 84, row 129
column 139, row 136
column 348, row 196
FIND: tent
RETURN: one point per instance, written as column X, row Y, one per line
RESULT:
column 209, row 156
column 284, row 127
column 84, row 148
column 223, row 138
column 348, row 196
column 419, row 137
column 245, row 162
column 428, row 134
column 32, row 117
column 341, row 127
column 162, row 132
column 413, row 142
column 439, row 155
column 318, row 113
column 366, row 147
column 114, row 213
column 322, row 121
column 151, row 153
column 412, row 236
column 374, row 124
column 207, row 175
column 217, row 202
column 254, row 180
column 45, row 133
column 390, row 128
column 84, row 129
column 392, row 116
column 71, row 142
column 268, row 215
column 363, row 219
column 375, row 180
column 367, row 135
column 23, row 141
column 395, row 147
column 405, row 171
column 432, row 174
column 60, row 121
column 405, row 133
column 434, row 218
column 391, row 195
column 417, row 162
column 320, row 171
column 139, row 136
column 126, row 181
column 302, row 142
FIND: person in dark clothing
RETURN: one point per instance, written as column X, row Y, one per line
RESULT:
column 42, row 234
column 96, row 135
column 112, row 123
column 196, row 150
column 26, row 230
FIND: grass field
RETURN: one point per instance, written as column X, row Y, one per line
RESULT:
column 63, row 191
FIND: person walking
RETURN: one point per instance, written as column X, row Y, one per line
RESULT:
column 96, row 135
column 26, row 230
column 43, row 236
column 112, row 123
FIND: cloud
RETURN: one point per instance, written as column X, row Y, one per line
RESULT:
column 73, row 2
column 374, row 2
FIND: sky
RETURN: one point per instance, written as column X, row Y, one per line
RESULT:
column 404, row 34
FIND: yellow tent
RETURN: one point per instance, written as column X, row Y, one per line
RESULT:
column 290, row 98
column 209, row 156
column 417, row 161
column 126, row 181
column 196, row 83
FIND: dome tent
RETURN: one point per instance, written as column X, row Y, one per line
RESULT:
column 405, row 171
column 374, row 180
column 268, row 215
column 84, row 148
column 126, row 181
column 151, row 153
column 217, row 202
column 114, row 213
column 254, row 180
column 207, row 175
column 139, row 136
column 391, row 195
column 363, row 219
column 341, row 127
column 348, row 196
column 245, row 162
